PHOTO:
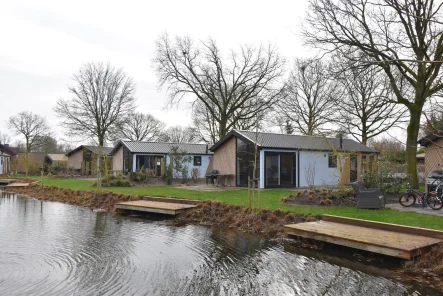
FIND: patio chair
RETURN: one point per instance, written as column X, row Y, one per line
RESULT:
column 368, row 198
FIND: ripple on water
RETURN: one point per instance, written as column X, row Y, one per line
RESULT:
column 57, row 249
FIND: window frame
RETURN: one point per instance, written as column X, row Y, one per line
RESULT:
column 197, row 157
column 332, row 164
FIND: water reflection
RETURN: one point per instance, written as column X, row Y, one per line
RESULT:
column 49, row 248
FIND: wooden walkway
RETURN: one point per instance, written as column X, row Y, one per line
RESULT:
column 168, row 206
column 6, row 181
column 383, row 238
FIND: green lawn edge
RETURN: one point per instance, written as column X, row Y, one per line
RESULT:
column 270, row 199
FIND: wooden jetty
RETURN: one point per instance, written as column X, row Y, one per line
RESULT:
column 18, row 185
column 388, row 239
column 159, row 205
column 7, row 181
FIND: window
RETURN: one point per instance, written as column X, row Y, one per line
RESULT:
column 332, row 160
column 197, row 160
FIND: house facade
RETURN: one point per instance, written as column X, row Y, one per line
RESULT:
column 433, row 158
column 6, row 155
column 83, row 159
column 290, row 160
column 132, row 156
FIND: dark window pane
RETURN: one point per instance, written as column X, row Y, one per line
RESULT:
column 197, row 160
column 332, row 160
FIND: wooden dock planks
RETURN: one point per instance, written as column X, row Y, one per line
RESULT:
column 151, row 206
column 394, row 240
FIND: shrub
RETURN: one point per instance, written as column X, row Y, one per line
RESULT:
column 119, row 183
column 195, row 174
column 169, row 174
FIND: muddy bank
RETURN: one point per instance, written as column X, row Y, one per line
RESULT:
column 74, row 197
column 266, row 222
column 428, row 268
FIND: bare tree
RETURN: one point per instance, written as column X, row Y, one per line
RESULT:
column 32, row 126
column 403, row 37
column 233, row 89
column 365, row 106
column 101, row 97
column 178, row 134
column 207, row 127
column 139, row 127
column 5, row 138
column 309, row 97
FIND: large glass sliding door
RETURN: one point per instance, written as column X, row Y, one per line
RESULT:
column 273, row 170
column 279, row 169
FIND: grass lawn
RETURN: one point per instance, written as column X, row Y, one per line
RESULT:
column 270, row 199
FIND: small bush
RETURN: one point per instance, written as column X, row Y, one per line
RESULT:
column 169, row 174
column 119, row 183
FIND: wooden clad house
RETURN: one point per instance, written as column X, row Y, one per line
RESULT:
column 83, row 158
column 6, row 155
column 289, row 160
column 433, row 158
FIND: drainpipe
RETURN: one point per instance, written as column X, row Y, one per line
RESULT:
column 207, row 149
column 341, row 142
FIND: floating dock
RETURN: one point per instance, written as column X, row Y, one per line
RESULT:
column 168, row 206
column 18, row 185
column 388, row 239
column 7, row 181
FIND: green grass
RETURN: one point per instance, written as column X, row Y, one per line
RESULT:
column 270, row 199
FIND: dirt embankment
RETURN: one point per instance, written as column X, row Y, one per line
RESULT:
column 266, row 222
column 75, row 197
column 428, row 268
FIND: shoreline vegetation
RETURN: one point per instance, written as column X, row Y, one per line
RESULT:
column 267, row 222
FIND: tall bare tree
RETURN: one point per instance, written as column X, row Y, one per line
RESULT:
column 365, row 105
column 33, row 127
column 207, row 127
column 5, row 138
column 403, row 37
column 139, row 127
column 101, row 97
column 236, row 88
column 178, row 134
column 309, row 97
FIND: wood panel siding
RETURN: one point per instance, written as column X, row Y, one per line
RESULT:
column 223, row 160
column 117, row 161
column 434, row 156
column 75, row 160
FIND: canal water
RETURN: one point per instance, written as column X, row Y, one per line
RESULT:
column 49, row 248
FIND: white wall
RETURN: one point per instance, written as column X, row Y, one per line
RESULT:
column 202, row 168
column 324, row 175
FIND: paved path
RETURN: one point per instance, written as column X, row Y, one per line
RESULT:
column 415, row 208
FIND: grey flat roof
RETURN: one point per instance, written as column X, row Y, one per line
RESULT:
column 296, row 142
column 163, row 148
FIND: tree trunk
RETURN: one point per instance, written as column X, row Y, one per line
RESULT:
column 222, row 127
column 411, row 144
column 364, row 138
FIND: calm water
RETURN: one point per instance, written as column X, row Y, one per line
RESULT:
column 49, row 248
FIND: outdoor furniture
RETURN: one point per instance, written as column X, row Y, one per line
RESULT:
column 216, row 178
column 212, row 176
column 368, row 198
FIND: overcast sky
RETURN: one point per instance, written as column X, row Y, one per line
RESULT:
column 44, row 42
